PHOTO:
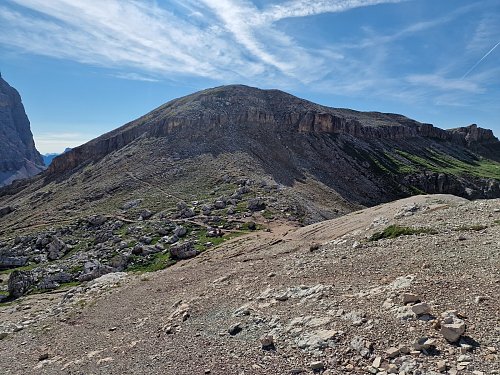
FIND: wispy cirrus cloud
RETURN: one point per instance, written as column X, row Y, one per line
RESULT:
column 445, row 84
column 238, row 40
column 305, row 8
column 222, row 40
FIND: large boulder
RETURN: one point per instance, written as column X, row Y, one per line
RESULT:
column 7, row 262
column 20, row 282
column 56, row 249
column 183, row 251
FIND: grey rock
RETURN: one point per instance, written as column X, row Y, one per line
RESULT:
column 145, row 215
column 20, row 282
column 6, row 210
column 183, row 251
column 409, row 298
column 256, row 204
column 235, row 329
column 267, row 341
column 18, row 155
column 421, row 308
column 56, row 249
column 317, row 365
column 7, row 262
column 219, row 204
column 97, row 220
column 180, row 231
column 131, row 204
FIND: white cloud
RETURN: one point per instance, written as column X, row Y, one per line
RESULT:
column 235, row 41
column 225, row 40
column 58, row 142
column 305, row 8
column 445, row 84
column 135, row 77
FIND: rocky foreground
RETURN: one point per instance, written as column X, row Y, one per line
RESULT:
column 336, row 297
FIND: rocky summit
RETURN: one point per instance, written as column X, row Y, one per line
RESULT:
column 18, row 155
column 247, row 231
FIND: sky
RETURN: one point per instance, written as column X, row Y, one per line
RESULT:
column 85, row 67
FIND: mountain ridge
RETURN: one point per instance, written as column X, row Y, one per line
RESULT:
column 307, row 116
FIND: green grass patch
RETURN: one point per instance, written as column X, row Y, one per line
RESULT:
column 157, row 262
column 70, row 284
column 216, row 241
column 398, row 165
column 268, row 215
column 497, row 222
column 28, row 267
column 442, row 163
column 394, row 231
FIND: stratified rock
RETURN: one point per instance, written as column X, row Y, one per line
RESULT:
column 18, row 155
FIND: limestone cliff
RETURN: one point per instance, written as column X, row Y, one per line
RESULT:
column 18, row 156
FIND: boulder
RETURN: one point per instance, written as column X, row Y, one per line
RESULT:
column 183, row 251
column 6, row 210
column 453, row 331
column 97, row 220
column 256, row 204
column 452, row 327
column 409, row 298
column 180, row 231
column 421, row 308
column 93, row 270
column 7, row 262
column 20, row 282
column 56, row 249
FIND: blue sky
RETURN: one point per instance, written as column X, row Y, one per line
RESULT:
column 84, row 67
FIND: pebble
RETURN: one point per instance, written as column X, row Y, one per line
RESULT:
column 267, row 341
column 234, row 329
column 317, row 365
column 392, row 352
column 441, row 366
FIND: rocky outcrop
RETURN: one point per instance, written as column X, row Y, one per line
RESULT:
column 18, row 155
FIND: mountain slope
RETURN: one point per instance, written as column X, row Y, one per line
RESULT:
column 307, row 161
column 18, row 155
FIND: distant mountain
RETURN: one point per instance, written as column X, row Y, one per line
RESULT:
column 18, row 156
column 304, row 161
column 47, row 158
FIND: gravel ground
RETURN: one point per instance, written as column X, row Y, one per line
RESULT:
column 330, row 298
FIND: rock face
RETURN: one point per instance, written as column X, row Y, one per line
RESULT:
column 18, row 155
column 237, row 107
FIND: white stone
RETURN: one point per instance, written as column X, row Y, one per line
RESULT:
column 421, row 308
